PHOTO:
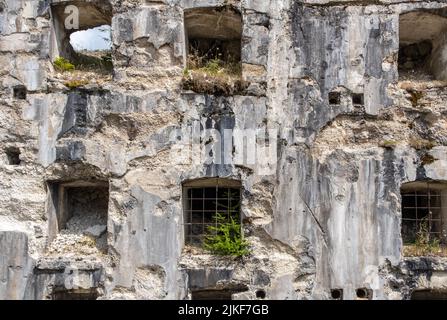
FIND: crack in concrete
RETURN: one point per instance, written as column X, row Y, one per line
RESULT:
column 320, row 227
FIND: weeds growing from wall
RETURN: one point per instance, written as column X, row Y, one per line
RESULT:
column 226, row 238
column 421, row 144
column 425, row 244
column 75, row 83
column 63, row 65
column 389, row 144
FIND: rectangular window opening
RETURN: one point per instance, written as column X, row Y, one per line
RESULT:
column 420, row 56
column 63, row 294
column 358, row 99
column 424, row 216
column 88, row 47
column 213, row 35
column 19, row 92
column 213, row 50
column 428, row 295
column 203, row 207
column 334, row 98
column 80, row 213
column 13, row 155
column 213, row 294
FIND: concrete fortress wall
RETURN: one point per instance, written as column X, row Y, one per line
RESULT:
column 324, row 215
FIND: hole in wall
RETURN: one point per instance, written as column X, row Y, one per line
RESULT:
column 260, row 294
column 428, row 295
column 421, row 46
column 211, row 295
column 81, row 210
column 395, row 287
column 358, row 99
column 13, row 155
column 87, row 213
column 334, row 98
column 213, row 51
column 93, row 39
column 214, row 33
column 19, row 92
column 93, row 47
column 225, row 293
column 413, row 58
column 88, row 47
column 64, row 294
column 361, row 293
column 364, row 293
column 337, row 294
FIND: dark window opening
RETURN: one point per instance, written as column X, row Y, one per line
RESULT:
column 203, row 52
column 13, row 155
column 421, row 46
column 75, row 294
column 364, row 294
column 213, row 34
column 337, row 294
column 87, row 203
column 19, row 92
column 216, row 294
column 204, row 203
column 422, row 213
column 81, row 209
column 260, row 294
column 88, row 47
column 334, row 98
column 428, row 295
column 414, row 58
column 358, row 99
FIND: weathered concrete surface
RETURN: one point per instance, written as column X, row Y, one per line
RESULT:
column 328, row 216
column 16, row 264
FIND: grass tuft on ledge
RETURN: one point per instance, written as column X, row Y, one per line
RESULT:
column 76, row 83
column 213, row 76
column 425, row 244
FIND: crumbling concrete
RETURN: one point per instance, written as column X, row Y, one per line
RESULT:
column 327, row 214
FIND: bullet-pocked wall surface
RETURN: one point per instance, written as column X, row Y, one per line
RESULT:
column 320, row 126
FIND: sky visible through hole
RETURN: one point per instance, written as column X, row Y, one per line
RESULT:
column 94, row 39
